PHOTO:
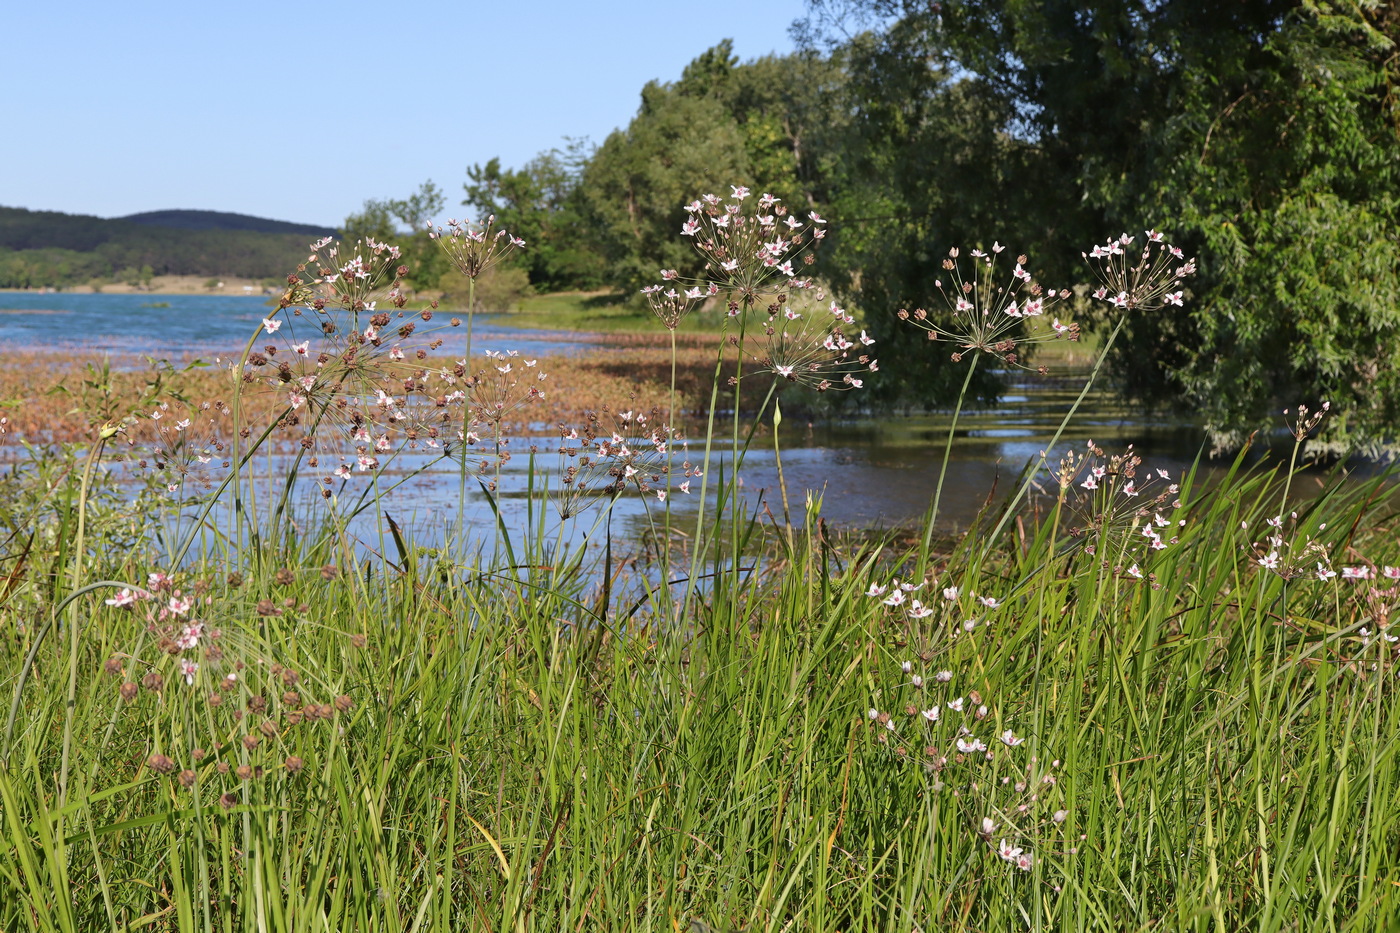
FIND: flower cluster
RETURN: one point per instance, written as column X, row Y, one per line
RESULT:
column 254, row 716
column 745, row 252
column 1285, row 554
column 353, row 380
column 473, row 248
column 182, row 445
column 989, row 311
column 962, row 753
column 632, row 450
column 805, row 343
column 1125, row 514
column 962, row 613
column 496, row 395
column 670, row 305
column 1144, row 280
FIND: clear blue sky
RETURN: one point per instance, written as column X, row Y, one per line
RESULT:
column 300, row 111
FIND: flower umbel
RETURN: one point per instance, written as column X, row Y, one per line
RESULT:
column 988, row 313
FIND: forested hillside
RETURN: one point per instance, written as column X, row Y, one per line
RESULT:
column 48, row 248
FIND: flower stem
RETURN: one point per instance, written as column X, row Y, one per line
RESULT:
column 1033, row 471
column 947, row 451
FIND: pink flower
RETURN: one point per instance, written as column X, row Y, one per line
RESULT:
column 124, row 597
column 271, row 325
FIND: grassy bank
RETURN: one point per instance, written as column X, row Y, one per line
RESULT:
column 413, row 744
column 1151, row 704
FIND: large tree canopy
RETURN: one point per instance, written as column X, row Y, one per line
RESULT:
column 1263, row 134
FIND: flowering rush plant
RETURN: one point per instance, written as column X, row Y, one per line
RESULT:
column 1008, row 797
column 811, row 343
column 473, row 248
column 351, row 367
column 746, row 253
column 1142, row 280
column 990, row 311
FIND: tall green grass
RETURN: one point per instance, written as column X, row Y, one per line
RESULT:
column 1224, row 748
column 1199, row 735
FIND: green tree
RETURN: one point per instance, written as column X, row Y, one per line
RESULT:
column 637, row 183
column 403, row 222
column 541, row 204
column 1261, row 134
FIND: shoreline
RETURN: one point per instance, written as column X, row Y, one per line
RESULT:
column 163, row 285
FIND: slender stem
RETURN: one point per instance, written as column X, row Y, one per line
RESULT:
column 466, row 418
column 1032, row 472
column 79, row 547
column 947, row 451
column 697, row 545
column 734, row 459
column 237, row 430
column 1288, row 480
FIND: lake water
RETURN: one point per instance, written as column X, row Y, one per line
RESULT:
column 180, row 325
column 871, row 472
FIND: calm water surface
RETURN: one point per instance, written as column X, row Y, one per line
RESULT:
column 872, row 472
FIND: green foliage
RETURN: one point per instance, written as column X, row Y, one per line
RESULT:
column 639, row 180
column 541, row 203
column 441, row 747
column 609, row 216
column 1262, row 136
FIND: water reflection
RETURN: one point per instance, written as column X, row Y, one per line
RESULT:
column 867, row 472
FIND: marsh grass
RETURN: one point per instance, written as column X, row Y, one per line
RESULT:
column 1052, row 724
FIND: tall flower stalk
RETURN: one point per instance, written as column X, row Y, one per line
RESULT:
column 750, row 257
column 1132, row 281
column 472, row 248
column 987, row 312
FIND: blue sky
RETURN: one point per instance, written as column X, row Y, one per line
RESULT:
column 300, row 111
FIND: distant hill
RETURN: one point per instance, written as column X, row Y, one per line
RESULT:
column 222, row 220
column 50, row 248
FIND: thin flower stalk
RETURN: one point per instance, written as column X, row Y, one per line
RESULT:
column 1137, row 291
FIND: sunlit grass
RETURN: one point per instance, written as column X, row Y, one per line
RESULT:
column 1149, row 704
